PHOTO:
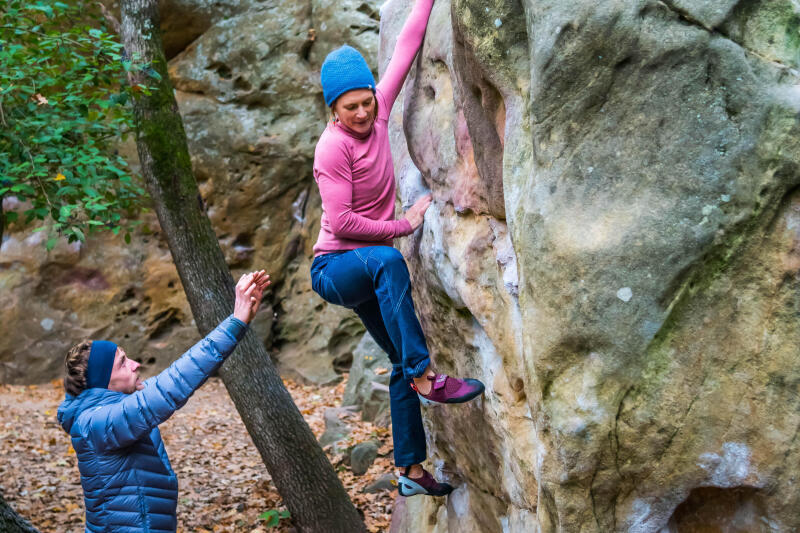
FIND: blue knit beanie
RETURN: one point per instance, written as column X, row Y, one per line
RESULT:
column 101, row 363
column 344, row 69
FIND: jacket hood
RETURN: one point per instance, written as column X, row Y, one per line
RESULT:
column 73, row 406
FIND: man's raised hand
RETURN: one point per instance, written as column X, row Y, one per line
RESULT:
column 262, row 281
column 249, row 291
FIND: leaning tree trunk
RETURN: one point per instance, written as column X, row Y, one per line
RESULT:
column 11, row 522
column 301, row 472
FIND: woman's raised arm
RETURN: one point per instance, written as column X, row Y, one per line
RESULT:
column 408, row 44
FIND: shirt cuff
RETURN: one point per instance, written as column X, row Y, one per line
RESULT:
column 236, row 327
column 405, row 228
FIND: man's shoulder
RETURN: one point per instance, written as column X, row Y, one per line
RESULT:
column 93, row 397
column 92, row 400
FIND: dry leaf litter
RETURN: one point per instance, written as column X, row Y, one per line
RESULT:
column 224, row 486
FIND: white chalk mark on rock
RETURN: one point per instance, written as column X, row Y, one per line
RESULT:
column 625, row 294
column 729, row 469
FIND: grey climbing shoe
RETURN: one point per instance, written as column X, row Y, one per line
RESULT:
column 426, row 485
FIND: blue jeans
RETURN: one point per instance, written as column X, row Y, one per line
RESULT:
column 373, row 281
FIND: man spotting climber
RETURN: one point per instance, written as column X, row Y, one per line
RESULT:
column 112, row 417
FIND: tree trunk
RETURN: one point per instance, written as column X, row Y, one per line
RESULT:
column 301, row 471
column 10, row 521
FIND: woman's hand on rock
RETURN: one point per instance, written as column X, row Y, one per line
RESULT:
column 249, row 291
column 416, row 213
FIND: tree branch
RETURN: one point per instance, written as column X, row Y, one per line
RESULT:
column 41, row 34
column 110, row 19
column 2, row 114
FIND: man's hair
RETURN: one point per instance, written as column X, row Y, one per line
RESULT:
column 75, row 365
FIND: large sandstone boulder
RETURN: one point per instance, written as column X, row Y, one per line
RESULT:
column 613, row 249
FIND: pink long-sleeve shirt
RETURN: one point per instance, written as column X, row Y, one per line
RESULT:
column 355, row 173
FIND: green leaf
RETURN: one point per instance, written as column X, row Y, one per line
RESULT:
column 274, row 516
column 121, row 98
column 127, row 238
column 153, row 73
column 65, row 211
column 47, row 10
column 51, row 243
column 23, row 189
column 271, row 517
column 65, row 191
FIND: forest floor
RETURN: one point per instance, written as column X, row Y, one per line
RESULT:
column 224, row 485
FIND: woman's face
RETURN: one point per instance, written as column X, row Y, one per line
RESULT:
column 356, row 109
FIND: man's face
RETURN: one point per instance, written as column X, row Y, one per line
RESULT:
column 124, row 374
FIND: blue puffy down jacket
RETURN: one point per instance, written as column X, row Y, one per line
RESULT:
column 128, row 483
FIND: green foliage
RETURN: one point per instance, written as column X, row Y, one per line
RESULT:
column 273, row 517
column 64, row 107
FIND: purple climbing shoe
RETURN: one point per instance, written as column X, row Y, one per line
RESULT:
column 408, row 486
column 446, row 389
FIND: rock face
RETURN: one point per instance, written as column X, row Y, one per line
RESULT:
column 613, row 248
column 247, row 80
column 368, row 381
column 104, row 289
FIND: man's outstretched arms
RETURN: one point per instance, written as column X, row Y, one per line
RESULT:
column 122, row 423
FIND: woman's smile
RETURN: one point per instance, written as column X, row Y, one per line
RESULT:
column 356, row 109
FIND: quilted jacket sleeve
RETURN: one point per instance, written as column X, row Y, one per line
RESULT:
column 122, row 423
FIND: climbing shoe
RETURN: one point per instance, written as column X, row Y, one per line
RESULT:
column 426, row 485
column 446, row 389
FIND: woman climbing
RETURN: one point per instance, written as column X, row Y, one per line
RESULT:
column 355, row 264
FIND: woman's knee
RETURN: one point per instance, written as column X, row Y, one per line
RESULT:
column 389, row 257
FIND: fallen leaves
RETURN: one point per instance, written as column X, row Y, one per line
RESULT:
column 224, row 486
column 40, row 476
